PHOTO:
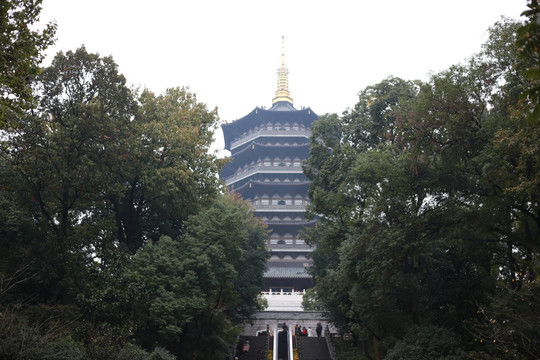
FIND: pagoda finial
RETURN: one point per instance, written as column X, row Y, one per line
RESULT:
column 282, row 93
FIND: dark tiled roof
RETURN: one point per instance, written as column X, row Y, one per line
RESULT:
column 260, row 116
column 282, row 106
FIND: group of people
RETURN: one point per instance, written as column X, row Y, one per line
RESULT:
column 308, row 332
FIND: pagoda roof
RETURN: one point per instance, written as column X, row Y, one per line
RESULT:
column 254, row 188
column 282, row 106
column 255, row 151
column 279, row 112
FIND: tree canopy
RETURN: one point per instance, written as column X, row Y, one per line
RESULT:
column 112, row 207
column 21, row 52
column 427, row 195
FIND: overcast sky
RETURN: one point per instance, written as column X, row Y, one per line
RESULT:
column 227, row 52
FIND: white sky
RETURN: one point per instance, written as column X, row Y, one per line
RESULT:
column 227, row 52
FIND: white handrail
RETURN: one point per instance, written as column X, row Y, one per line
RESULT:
column 290, row 343
column 275, row 354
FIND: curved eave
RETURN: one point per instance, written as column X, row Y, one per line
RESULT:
column 253, row 188
column 256, row 151
column 259, row 116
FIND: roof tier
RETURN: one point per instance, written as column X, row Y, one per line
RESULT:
column 253, row 188
column 278, row 114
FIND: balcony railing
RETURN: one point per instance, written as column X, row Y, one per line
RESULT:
column 289, row 247
column 289, row 222
column 269, row 133
column 263, row 170
column 284, row 208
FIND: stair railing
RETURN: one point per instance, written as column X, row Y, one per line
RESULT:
column 290, row 343
column 266, row 343
column 275, row 353
column 330, row 343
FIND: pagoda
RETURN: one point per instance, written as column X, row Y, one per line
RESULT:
column 267, row 149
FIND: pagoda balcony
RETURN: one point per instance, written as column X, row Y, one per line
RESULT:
column 252, row 170
column 276, row 248
column 269, row 133
column 279, row 208
column 289, row 222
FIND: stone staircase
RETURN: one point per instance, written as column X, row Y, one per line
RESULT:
column 312, row 348
column 256, row 343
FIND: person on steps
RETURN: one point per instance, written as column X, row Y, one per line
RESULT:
column 318, row 329
column 245, row 349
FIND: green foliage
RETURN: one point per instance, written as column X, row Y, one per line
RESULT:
column 426, row 343
column 92, row 179
column 190, row 294
column 427, row 194
column 22, row 51
column 528, row 46
column 310, row 301
column 39, row 332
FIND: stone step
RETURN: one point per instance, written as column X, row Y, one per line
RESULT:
column 313, row 348
column 256, row 343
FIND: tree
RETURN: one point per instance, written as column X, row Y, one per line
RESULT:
column 528, row 44
column 166, row 167
column 192, row 293
column 21, row 52
column 421, row 194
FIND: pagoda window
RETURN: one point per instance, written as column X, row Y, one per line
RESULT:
column 269, row 126
column 300, row 242
column 282, row 202
column 295, row 127
column 267, row 162
column 265, row 200
column 281, row 242
column 274, row 238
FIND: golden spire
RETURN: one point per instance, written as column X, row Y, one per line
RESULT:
column 282, row 93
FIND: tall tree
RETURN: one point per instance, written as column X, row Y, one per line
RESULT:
column 195, row 291
column 21, row 52
column 427, row 201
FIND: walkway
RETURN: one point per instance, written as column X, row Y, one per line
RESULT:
column 312, row 348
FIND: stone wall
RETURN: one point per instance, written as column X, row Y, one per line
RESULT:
column 278, row 318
